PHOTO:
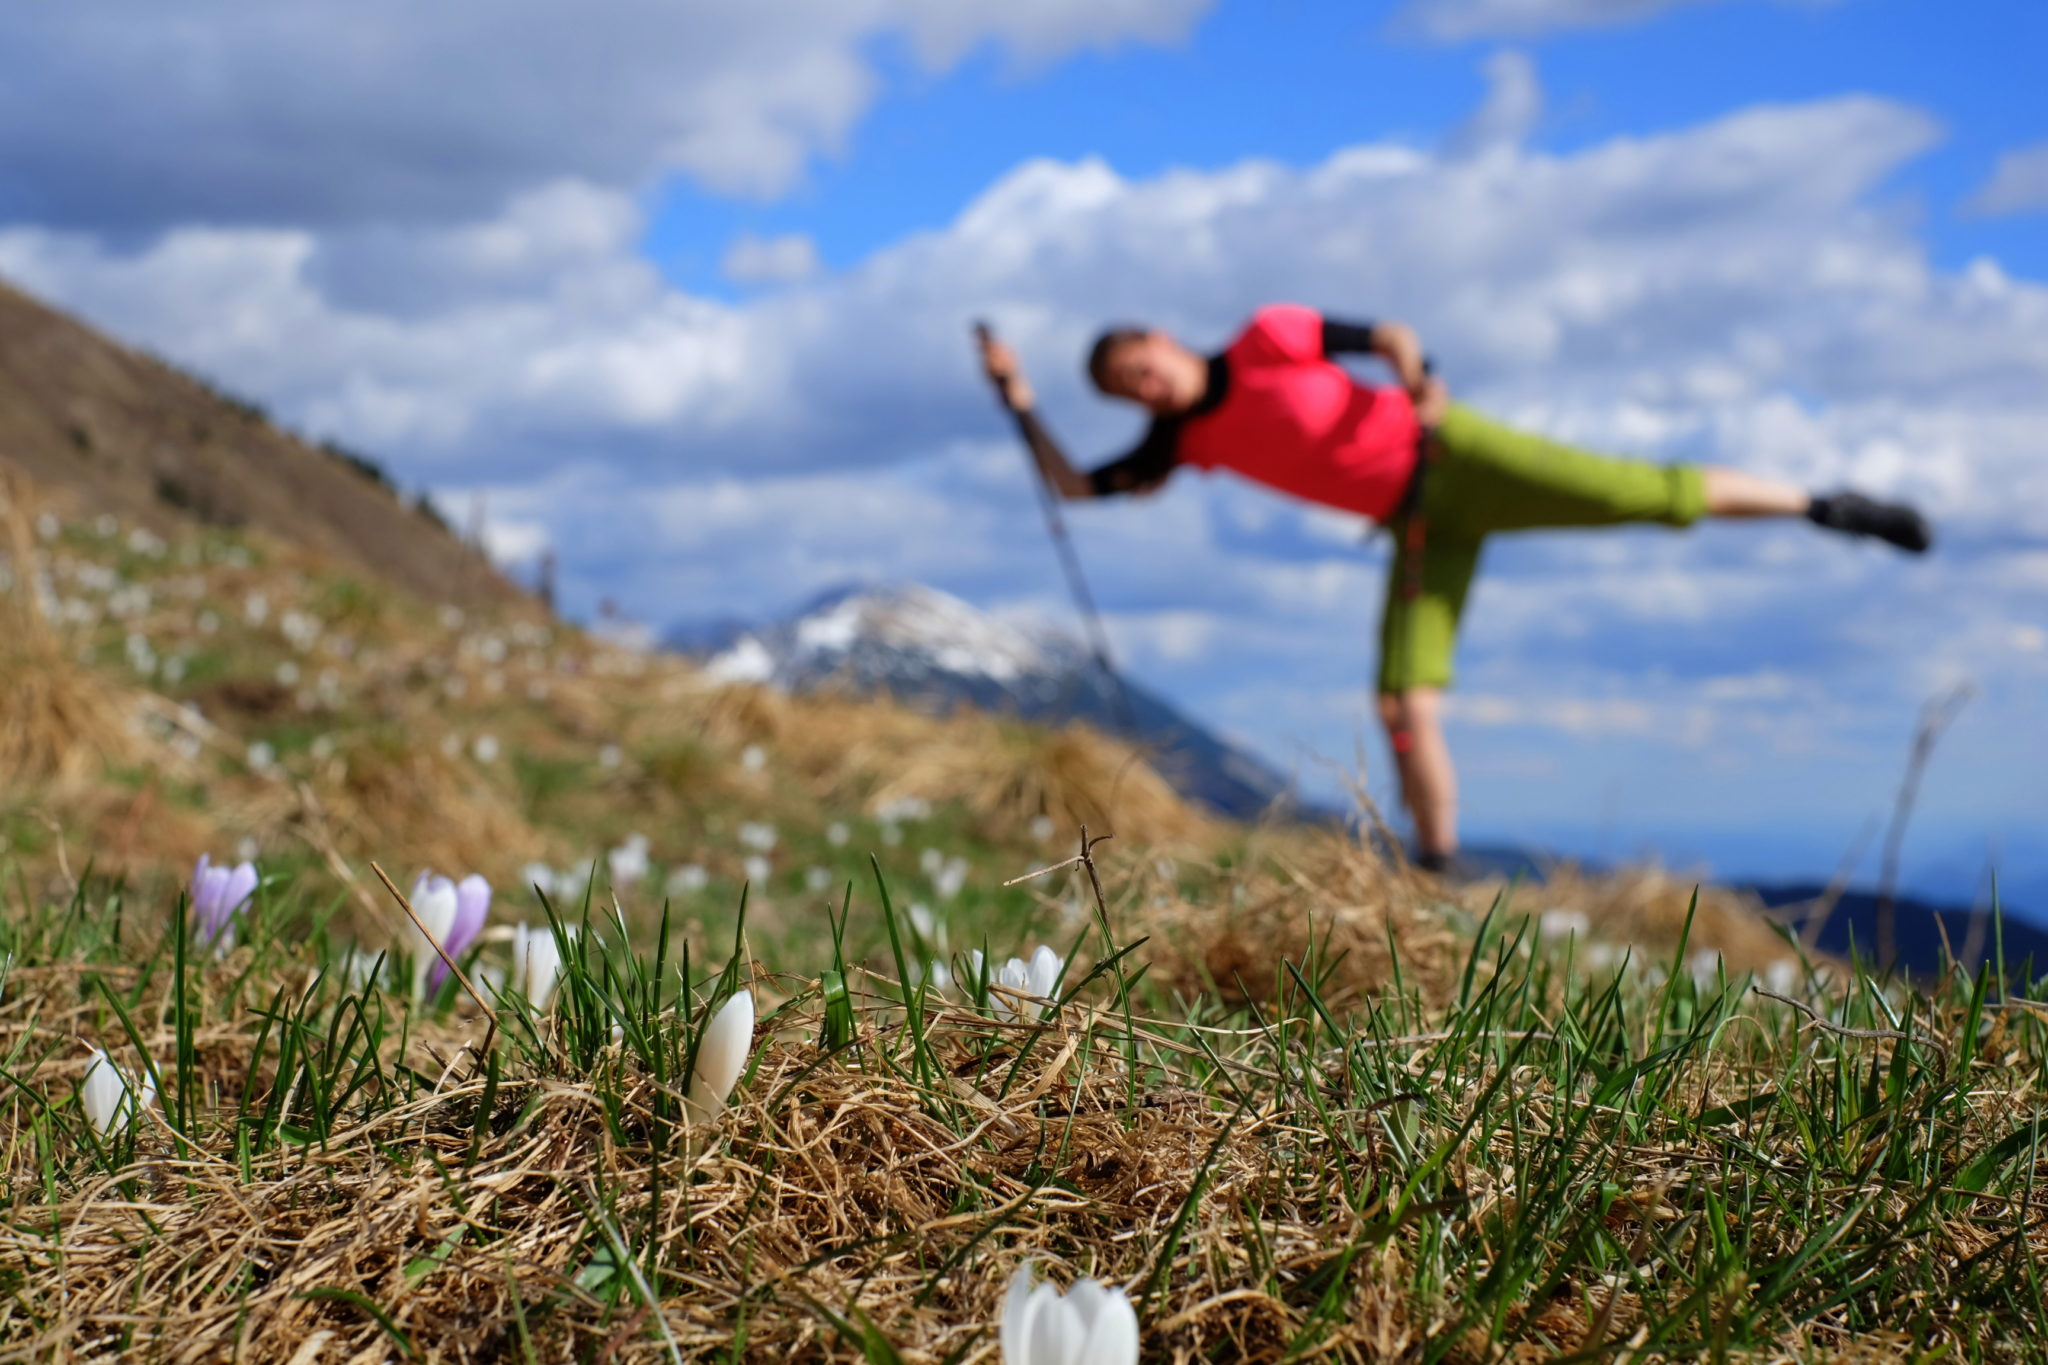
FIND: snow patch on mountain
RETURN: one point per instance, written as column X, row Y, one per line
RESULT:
column 905, row 637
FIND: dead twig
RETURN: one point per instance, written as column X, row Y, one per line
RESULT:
column 1936, row 717
column 1044, row 871
column 1815, row 1021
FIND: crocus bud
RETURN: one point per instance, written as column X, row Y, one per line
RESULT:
column 721, row 1057
column 218, row 896
column 1037, row 977
column 472, row 905
column 1089, row 1325
column 536, row 964
column 435, row 903
column 1046, row 967
column 111, row 1101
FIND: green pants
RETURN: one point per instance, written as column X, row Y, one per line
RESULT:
column 1488, row 478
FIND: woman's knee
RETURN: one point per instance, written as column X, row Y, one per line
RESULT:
column 1404, row 711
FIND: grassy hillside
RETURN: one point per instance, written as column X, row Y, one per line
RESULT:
column 1295, row 1101
column 226, row 692
column 102, row 428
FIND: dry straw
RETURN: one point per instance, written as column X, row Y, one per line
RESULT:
column 1259, row 1184
column 63, row 722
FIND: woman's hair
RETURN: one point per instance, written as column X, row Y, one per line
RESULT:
column 1106, row 346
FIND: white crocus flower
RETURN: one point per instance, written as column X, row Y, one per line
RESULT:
column 1037, row 977
column 628, row 862
column 361, row 968
column 536, row 963
column 1705, row 967
column 1088, row 1325
column 435, row 902
column 111, row 1101
column 721, row 1057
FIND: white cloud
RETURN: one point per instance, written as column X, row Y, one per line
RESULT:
column 515, row 544
column 1459, row 20
column 134, row 115
column 1513, row 104
column 770, row 260
column 1666, row 294
column 2019, row 183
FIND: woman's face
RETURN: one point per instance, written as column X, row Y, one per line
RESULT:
column 1154, row 371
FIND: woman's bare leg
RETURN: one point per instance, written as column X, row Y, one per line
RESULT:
column 1732, row 493
column 1429, row 784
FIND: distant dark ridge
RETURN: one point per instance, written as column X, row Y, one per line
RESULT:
column 103, row 427
column 1850, row 930
column 1972, row 936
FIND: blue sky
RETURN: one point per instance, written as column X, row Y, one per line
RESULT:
column 1293, row 81
column 680, row 290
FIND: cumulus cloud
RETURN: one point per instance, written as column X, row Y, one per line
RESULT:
column 2019, row 183
column 132, row 116
column 1459, row 20
column 1670, row 293
column 770, row 260
column 1514, row 101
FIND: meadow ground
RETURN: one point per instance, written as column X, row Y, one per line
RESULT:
column 1297, row 1101
column 1471, row 1143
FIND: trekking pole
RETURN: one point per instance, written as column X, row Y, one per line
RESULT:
column 1077, row 585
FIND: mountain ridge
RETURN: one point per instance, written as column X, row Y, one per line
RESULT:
column 932, row 649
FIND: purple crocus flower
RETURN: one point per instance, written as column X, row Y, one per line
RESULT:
column 472, row 904
column 218, row 895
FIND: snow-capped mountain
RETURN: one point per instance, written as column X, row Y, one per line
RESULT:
column 926, row 647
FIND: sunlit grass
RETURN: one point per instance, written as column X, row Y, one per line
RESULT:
column 1522, row 1151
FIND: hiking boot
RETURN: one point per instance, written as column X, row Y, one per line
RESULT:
column 1448, row 866
column 1855, row 515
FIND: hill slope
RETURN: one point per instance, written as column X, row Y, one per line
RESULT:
column 108, row 430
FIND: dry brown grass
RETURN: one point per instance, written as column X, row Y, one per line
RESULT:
column 1648, row 906
column 63, row 722
column 1009, row 773
column 867, row 752
column 445, row 1217
column 387, row 795
column 851, row 1161
column 1300, row 896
